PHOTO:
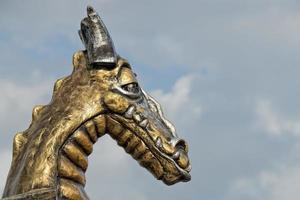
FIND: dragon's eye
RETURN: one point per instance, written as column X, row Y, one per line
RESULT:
column 131, row 87
column 131, row 90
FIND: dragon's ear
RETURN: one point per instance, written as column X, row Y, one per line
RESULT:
column 79, row 60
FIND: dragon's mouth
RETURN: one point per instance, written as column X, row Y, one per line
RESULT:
column 136, row 141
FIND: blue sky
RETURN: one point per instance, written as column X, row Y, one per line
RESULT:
column 226, row 73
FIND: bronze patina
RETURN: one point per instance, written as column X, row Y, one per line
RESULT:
column 101, row 96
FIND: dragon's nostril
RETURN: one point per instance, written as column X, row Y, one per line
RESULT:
column 180, row 156
column 181, row 144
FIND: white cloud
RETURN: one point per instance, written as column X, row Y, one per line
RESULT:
column 17, row 101
column 274, row 122
column 20, row 97
column 179, row 99
column 276, row 23
column 277, row 184
column 280, row 179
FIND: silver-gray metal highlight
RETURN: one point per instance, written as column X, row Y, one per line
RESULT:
column 97, row 41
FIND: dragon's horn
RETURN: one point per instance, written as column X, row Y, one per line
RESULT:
column 97, row 41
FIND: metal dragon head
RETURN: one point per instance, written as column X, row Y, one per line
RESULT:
column 134, row 118
column 102, row 95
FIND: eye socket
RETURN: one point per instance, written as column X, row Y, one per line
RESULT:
column 131, row 87
column 130, row 90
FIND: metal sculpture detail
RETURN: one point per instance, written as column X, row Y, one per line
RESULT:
column 101, row 96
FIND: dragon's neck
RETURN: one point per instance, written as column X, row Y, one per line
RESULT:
column 37, row 150
column 72, row 158
column 43, row 163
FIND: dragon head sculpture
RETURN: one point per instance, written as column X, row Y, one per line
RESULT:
column 102, row 95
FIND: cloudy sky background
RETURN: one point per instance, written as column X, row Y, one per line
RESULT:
column 226, row 73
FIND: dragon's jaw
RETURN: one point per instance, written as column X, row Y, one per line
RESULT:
column 136, row 141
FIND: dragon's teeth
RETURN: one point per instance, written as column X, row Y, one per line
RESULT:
column 129, row 112
column 137, row 117
column 144, row 123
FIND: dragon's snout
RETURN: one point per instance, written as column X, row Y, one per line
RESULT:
column 181, row 154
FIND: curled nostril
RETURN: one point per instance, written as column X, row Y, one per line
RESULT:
column 181, row 144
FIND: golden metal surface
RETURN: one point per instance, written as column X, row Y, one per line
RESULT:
column 67, row 169
column 51, row 156
column 76, row 155
column 81, row 137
